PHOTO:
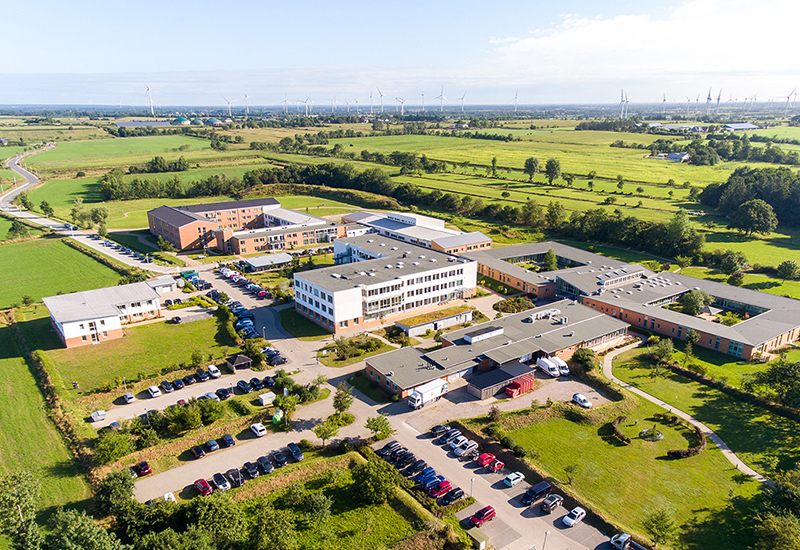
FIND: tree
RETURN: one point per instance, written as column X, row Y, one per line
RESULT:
column 494, row 167
column 754, row 216
column 379, row 426
column 99, row 215
column 46, row 209
column 343, row 398
column 550, row 260
column 223, row 297
column 18, row 230
column 788, row 269
column 374, row 481
column 112, row 491
column 688, row 356
column 221, row 517
column 505, row 194
column 318, row 508
column 27, row 300
column 586, row 358
column 23, row 201
column 531, row 167
column 736, row 279
column 590, row 185
column 659, row 525
column 111, row 446
column 73, row 529
column 683, row 261
column 640, row 190
column 569, row 179
column 663, row 350
column 553, row 170
column 103, row 231
column 732, row 262
column 693, row 302
column 326, row 430
column 781, row 377
column 555, row 215
column 778, row 531
column 289, row 405
column 19, row 500
column 194, row 538
column 272, row 529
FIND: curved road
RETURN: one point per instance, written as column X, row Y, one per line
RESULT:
column 608, row 361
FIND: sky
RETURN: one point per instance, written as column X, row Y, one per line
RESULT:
column 198, row 52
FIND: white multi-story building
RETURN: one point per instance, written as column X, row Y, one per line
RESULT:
column 377, row 279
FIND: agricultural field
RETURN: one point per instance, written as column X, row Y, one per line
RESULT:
column 67, row 270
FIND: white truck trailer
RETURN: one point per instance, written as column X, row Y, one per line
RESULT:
column 430, row 391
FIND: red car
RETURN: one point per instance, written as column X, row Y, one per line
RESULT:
column 482, row 516
column 485, row 459
column 496, row 465
column 144, row 468
column 440, row 488
column 203, row 487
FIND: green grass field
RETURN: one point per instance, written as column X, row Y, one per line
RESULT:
column 752, row 281
column 300, row 327
column 145, row 348
column 31, row 441
column 628, row 482
column 5, row 225
column 45, row 267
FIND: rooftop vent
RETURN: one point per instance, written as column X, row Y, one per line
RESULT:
column 362, row 273
column 422, row 256
column 371, row 274
column 433, row 259
column 416, row 263
column 571, row 333
column 383, row 244
column 394, row 248
column 370, row 240
column 336, row 276
column 388, row 266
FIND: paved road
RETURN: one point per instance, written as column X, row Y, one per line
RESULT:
column 608, row 363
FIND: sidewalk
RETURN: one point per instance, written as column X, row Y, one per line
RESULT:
column 608, row 361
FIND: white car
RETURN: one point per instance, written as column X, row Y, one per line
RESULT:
column 574, row 517
column 154, row 391
column 563, row 369
column 457, row 442
column 129, row 398
column 513, row 479
column 258, row 429
column 213, row 371
column 465, row 448
column 581, row 400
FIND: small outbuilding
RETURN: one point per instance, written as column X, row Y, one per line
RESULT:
column 238, row 361
column 487, row 384
column 267, row 261
column 162, row 285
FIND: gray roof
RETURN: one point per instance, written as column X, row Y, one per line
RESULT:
column 213, row 206
column 742, row 126
column 176, row 217
column 359, row 216
column 161, row 281
column 294, row 217
column 590, row 279
column 408, row 365
column 465, row 239
column 575, row 255
column 282, row 258
column 96, row 304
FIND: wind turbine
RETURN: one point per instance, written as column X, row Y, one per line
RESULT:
column 621, row 104
column 708, row 101
column 697, row 103
column 441, row 99
column 246, row 106
column 664, row 105
column 626, row 105
column 753, row 102
column 306, row 101
column 357, row 111
column 423, row 102
column 150, row 97
column 285, row 104
column 462, row 100
column 688, row 104
column 516, row 97
column 229, row 106
column 380, row 93
column 785, row 110
column 348, row 106
column 719, row 96
column 370, row 102
column 402, row 102
column 333, row 104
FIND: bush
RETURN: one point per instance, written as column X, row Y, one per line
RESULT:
column 618, row 434
column 305, row 445
column 519, row 451
column 506, row 442
column 586, row 358
column 514, row 305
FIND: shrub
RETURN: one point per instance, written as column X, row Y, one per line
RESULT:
column 519, row 451
column 618, row 434
column 506, row 442
column 586, row 358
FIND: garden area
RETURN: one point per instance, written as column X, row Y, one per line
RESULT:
column 300, row 327
column 346, row 351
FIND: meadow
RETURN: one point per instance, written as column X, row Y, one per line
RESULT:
column 46, row 267
column 37, row 445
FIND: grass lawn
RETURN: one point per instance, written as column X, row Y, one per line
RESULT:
column 718, row 365
column 144, row 349
column 434, row 315
column 369, row 388
column 329, row 359
column 754, row 434
column 5, row 225
column 300, row 327
column 628, row 482
column 32, row 442
column 753, row 281
column 496, row 285
column 46, row 267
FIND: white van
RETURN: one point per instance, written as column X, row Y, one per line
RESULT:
column 563, row 369
column 547, row 365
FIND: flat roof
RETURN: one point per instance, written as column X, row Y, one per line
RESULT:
column 495, row 377
column 465, row 239
column 96, row 304
column 161, row 281
column 590, row 279
column 267, row 260
column 213, row 206
column 575, row 255
column 294, row 217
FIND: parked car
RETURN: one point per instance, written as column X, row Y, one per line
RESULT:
column 397, row 453
column 496, row 465
column 277, row 360
column 178, row 384
column 177, row 301
column 220, row 482
column 551, row 503
column 213, row 396
column 265, row 464
column 223, row 393
column 269, row 381
column 452, row 496
column 212, row 445
column 244, row 387
column 198, row 452
column 437, row 431
column 388, row 448
column 154, row 391
column 167, row 387
column 280, row 459
column 466, row 448
column 201, row 375
column 513, row 478
column 482, row 516
column 574, row 517
column 213, row 372
column 297, row 454
column 256, row 383
column 424, row 474
column 535, row 492
column 189, row 379
column 581, row 400
column 251, row 469
column 167, row 302
column 450, row 436
column 176, row 320
column 457, row 442
column 405, row 460
column 431, row 481
column 203, row 487
column 440, row 488
column 143, row 468
column 258, row 429
column 485, row 459
column 129, row 397
column 228, row 440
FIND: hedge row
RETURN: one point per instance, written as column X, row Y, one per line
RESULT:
column 618, row 434
column 24, row 221
column 228, row 318
column 122, row 270
column 691, row 451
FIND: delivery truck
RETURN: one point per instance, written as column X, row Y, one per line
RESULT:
column 520, row 385
column 424, row 394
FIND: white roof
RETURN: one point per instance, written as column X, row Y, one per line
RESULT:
column 270, row 259
column 96, row 304
column 161, row 281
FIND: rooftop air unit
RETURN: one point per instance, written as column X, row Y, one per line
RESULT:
column 336, row 276
column 394, row 248
column 415, row 263
column 571, row 333
column 422, row 256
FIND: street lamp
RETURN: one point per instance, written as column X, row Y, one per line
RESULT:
column 544, row 544
column 202, row 436
column 264, row 332
column 471, row 481
column 124, row 385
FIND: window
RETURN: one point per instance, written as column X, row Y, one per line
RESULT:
column 81, row 326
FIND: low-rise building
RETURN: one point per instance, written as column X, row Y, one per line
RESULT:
column 94, row 316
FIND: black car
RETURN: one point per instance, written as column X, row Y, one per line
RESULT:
column 452, row 496
column 228, row 440
column 278, row 360
column 198, row 452
column 388, row 448
column 251, row 469
column 257, row 384
column 535, row 492
column 439, row 430
column 176, row 320
column 189, row 379
column 202, row 375
column 405, row 460
column 244, row 387
column 297, row 454
column 280, row 459
column 223, row 393
column 265, row 464
column 236, row 477
column 269, row 381
column 167, row 387
column 397, row 453
column 177, row 301
column 167, row 302
column 178, row 383
column 418, row 466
